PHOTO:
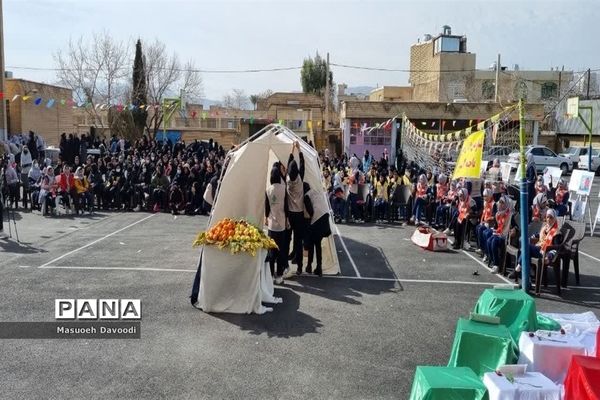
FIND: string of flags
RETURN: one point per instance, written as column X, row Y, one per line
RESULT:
column 455, row 136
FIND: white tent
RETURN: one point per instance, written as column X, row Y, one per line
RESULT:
column 232, row 283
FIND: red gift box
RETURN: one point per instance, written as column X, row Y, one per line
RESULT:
column 583, row 379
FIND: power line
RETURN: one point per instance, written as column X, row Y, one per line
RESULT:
column 205, row 71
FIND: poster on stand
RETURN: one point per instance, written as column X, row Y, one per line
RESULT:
column 552, row 176
column 581, row 182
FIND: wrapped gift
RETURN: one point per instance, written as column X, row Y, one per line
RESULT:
column 430, row 239
column 515, row 308
column 583, row 379
column 529, row 385
column 444, row 383
column 549, row 352
column 482, row 347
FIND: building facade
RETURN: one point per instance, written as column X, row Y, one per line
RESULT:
column 49, row 116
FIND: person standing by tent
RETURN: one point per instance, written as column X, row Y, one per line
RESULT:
column 295, row 203
column 318, row 210
column 276, row 214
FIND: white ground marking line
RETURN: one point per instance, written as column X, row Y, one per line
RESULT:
column 95, row 241
column 483, row 265
column 590, row 256
column 305, row 276
column 347, row 252
column 120, row 268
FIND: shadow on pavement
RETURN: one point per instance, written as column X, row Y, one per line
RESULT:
column 285, row 321
column 8, row 245
column 344, row 290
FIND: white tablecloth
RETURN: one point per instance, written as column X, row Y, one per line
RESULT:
column 549, row 355
column 530, row 386
column 583, row 325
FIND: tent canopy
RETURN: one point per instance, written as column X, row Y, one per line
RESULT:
column 231, row 283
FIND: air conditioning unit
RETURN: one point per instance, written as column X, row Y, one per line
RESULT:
column 8, row 74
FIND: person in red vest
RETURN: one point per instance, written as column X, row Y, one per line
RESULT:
column 540, row 204
column 66, row 186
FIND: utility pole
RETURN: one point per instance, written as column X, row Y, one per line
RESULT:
column 589, row 73
column 497, row 79
column 326, row 119
column 560, row 80
column 3, row 127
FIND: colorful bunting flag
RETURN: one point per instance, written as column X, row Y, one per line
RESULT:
column 15, row 97
column 25, row 98
column 468, row 131
column 62, row 102
column 38, row 101
column 481, row 126
column 50, row 103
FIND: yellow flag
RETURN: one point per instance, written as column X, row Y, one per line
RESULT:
column 457, row 135
column 468, row 131
column 25, row 98
column 469, row 160
column 309, row 125
column 495, row 118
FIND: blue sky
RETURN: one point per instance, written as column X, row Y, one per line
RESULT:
column 269, row 34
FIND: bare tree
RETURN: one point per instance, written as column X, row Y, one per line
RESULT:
column 237, row 99
column 95, row 71
column 166, row 77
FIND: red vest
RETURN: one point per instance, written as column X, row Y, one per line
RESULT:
column 441, row 192
column 559, row 196
column 421, row 190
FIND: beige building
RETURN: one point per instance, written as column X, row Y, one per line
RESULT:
column 392, row 93
column 442, row 70
column 23, row 115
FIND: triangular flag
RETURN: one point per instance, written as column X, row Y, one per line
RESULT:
column 470, row 122
column 252, row 120
column 423, row 123
column 38, row 101
column 25, row 98
column 457, row 135
column 204, row 114
column 495, row 118
column 309, row 124
column 1, row 95
column 494, row 132
column 280, row 122
column 15, row 97
column 433, row 124
column 481, row 126
column 453, row 123
column 50, row 103
column 443, row 124
column 142, row 106
column 62, row 102
column 319, row 123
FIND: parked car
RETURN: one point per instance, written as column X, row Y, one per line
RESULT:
column 499, row 152
column 573, row 154
column 543, row 157
column 584, row 161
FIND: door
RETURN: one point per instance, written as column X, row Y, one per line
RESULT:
column 552, row 159
column 539, row 158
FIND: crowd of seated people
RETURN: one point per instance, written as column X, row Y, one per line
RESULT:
column 146, row 175
column 479, row 213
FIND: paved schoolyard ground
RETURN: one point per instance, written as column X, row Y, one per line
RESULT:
column 357, row 336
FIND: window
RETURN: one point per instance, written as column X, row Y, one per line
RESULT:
column 488, row 89
column 537, row 151
column 549, row 90
column 520, row 90
column 583, row 152
column 548, row 153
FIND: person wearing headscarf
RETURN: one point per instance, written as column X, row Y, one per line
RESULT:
column 540, row 187
column 381, row 196
column 541, row 244
column 561, row 198
column 483, row 228
column 494, row 174
column 420, row 199
column 276, row 214
column 48, row 191
column 539, row 207
column 295, row 203
column 12, row 182
column 317, row 210
column 83, row 200
column 26, row 163
column 465, row 205
column 496, row 237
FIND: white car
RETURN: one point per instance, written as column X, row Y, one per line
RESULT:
column 543, row 157
column 499, row 152
column 584, row 162
column 574, row 154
